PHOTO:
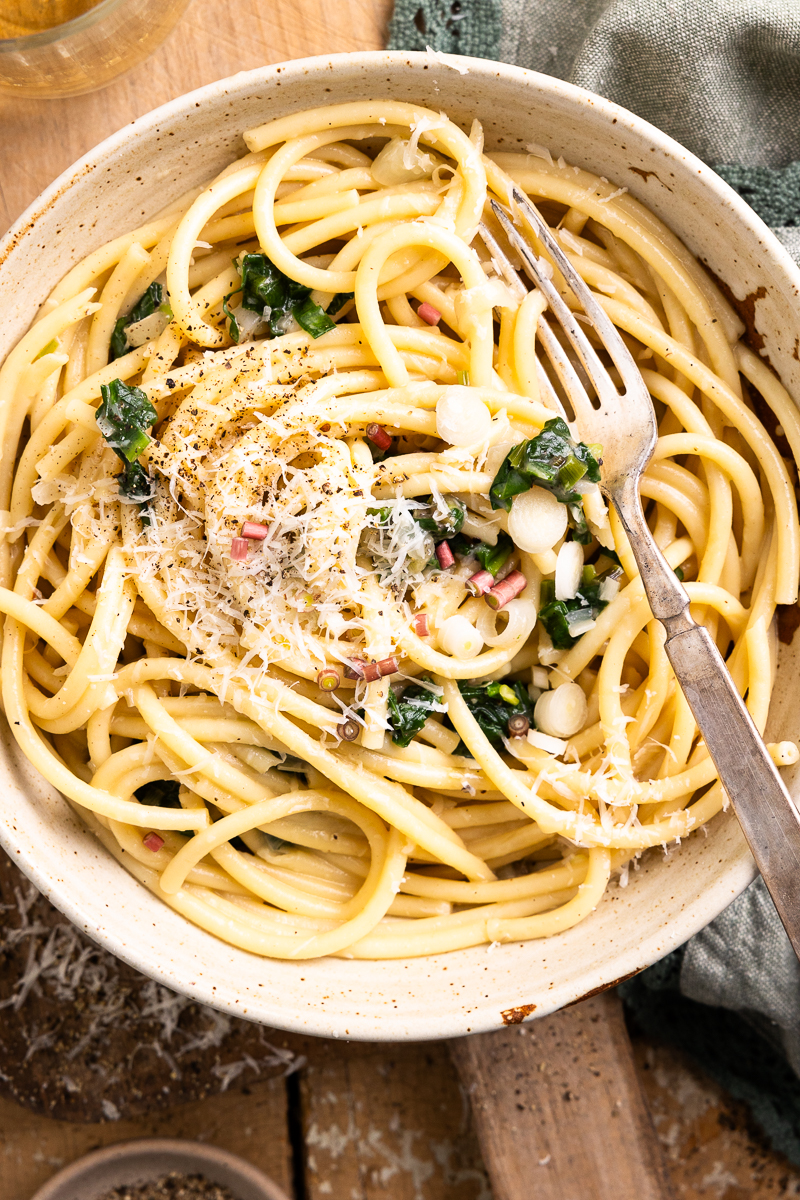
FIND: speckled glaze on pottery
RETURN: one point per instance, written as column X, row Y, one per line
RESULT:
column 115, row 188
column 146, row 1160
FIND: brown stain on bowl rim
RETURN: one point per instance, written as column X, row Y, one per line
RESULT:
column 788, row 622
column 746, row 308
column 788, row 615
column 604, row 987
column 646, row 175
column 515, row 1016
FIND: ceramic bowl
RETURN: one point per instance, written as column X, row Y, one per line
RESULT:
column 147, row 1160
column 673, row 894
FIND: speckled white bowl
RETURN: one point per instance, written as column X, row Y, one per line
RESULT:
column 116, row 187
column 146, row 1160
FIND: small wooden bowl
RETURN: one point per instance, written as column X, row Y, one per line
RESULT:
column 146, row 1160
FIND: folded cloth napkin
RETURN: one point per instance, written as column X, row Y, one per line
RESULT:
column 723, row 78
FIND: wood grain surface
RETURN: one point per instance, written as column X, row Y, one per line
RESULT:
column 215, row 38
column 252, row 1123
column 559, row 1109
column 387, row 1121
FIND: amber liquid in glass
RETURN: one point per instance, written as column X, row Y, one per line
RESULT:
column 55, row 48
column 21, row 17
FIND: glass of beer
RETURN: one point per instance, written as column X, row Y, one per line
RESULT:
column 51, row 48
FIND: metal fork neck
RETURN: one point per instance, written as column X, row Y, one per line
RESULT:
column 666, row 594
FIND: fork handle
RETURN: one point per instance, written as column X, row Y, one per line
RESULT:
column 766, row 812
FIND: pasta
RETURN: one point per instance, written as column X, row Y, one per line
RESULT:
column 350, row 658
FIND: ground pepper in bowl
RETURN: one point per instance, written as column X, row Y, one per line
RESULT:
column 173, row 1186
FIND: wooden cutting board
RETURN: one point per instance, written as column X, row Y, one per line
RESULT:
column 559, row 1108
column 214, row 39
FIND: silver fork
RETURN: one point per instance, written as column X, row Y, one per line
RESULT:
column 625, row 425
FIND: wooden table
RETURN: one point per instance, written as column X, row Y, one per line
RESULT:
column 359, row 1122
column 367, row 1122
column 215, row 38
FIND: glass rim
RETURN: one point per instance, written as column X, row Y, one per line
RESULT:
column 57, row 33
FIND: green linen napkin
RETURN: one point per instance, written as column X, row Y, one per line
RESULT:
column 723, row 78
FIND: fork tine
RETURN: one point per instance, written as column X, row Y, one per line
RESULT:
column 535, row 268
column 500, row 259
column 506, row 268
column 548, row 394
column 609, row 334
column 571, row 381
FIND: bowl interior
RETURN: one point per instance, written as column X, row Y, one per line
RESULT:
column 672, row 895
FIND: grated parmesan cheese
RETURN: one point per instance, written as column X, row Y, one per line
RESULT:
column 447, row 60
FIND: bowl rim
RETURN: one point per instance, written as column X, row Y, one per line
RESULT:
column 189, row 1156
column 489, row 67
column 739, row 875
